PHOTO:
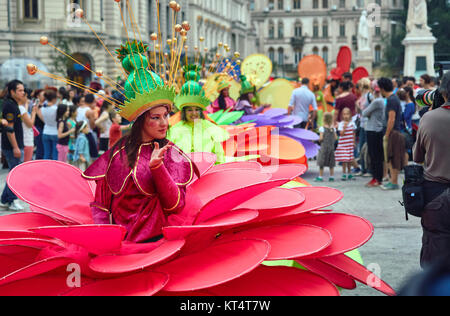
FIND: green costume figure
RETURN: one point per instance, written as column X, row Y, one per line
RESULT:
column 194, row 133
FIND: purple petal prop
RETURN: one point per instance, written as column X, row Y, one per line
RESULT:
column 299, row 133
column 275, row 113
column 311, row 149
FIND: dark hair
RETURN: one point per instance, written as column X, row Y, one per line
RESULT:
column 386, row 84
column 245, row 97
column 347, row 75
column 12, row 86
column 72, row 109
column 89, row 98
column 112, row 115
column 305, row 81
column 77, row 128
column 62, row 109
column 76, row 100
column 402, row 94
column 133, row 140
column 222, row 101
column 50, row 95
column 426, row 78
column 64, row 94
column 105, row 105
column 410, row 93
column 346, row 85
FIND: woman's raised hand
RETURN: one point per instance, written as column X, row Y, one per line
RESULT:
column 158, row 155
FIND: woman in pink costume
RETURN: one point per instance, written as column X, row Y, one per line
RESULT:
column 224, row 101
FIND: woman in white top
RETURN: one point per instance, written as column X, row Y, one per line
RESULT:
column 28, row 134
column 104, row 124
column 50, row 133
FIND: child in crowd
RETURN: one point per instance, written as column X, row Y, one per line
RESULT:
column 72, row 121
column 328, row 138
column 64, row 131
column 116, row 130
column 346, row 146
column 82, row 157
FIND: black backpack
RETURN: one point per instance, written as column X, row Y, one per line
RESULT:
column 413, row 192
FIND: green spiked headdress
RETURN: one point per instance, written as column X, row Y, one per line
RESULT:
column 192, row 94
column 144, row 89
column 246, row 86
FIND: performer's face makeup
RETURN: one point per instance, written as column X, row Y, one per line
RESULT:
column 193, row 113
column 156, row 124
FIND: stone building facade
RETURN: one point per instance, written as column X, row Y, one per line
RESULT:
column 291, row 29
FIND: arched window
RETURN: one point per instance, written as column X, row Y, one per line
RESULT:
column 325, row 54
column 280, row 56
column 316, row 51
column 297, row 56
column 272, row 54
column 325, row 29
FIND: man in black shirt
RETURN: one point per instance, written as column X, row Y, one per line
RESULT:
column 394, row 140
column 12, row 138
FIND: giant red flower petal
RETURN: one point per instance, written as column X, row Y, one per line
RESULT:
column 277, row 281
column 276, row 199
column 41, row 285
column 25, row 221
column 214, row 265
column 34, row 269
column 115, row 264
column 97, row 239
column 60, row 189
column 349, row 232
column 139, row 284
column 288, row 241
column 358, row 272
column 335, row 276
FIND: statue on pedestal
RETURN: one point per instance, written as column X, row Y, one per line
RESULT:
column 417, row 17
column 363, row 33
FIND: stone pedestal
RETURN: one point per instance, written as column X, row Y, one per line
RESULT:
column 365, row 59
column 419, row 53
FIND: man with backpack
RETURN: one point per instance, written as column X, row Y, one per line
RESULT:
column 432, row 149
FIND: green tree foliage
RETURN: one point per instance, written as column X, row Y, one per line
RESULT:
column 438, row 20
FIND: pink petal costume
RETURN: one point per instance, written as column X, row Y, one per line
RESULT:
column 139, row 199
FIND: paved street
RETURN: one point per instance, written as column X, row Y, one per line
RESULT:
column 396, row 244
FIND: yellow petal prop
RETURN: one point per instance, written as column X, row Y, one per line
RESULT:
column 257, row 68
column 278, row 93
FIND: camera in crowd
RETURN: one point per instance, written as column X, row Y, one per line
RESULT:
column 430, row 98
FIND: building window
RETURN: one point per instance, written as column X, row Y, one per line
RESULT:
column 280, row 5
column 342, row 4
column 280, row 30
column 378, row 2
column 280, row 56
column 316, row 51
column 271, row 30
column 272, row 54
column 377, row 31
column 30, row 9
column 325, row 54
column 325, row 29
column 325, row 4
column 377, row 54
column 298, row 29
column 297, row 56
column 297, row 4
column 342, row 29
column 315, row 4
column 316, row 29
column 271, row 4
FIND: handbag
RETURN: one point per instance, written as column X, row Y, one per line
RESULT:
column 35, row 131
column 413, row 192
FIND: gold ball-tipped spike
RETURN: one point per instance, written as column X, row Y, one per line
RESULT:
column 183, row 32
column 178, row 28
column 32, row 69
column 178, row 8
column 44, row 40
column 99, row 73
column 201, row 39
column 169, row 42
column 220, row 44
column 186, row 26
column 237, row 55
column 173, row 5
column 154, row 37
